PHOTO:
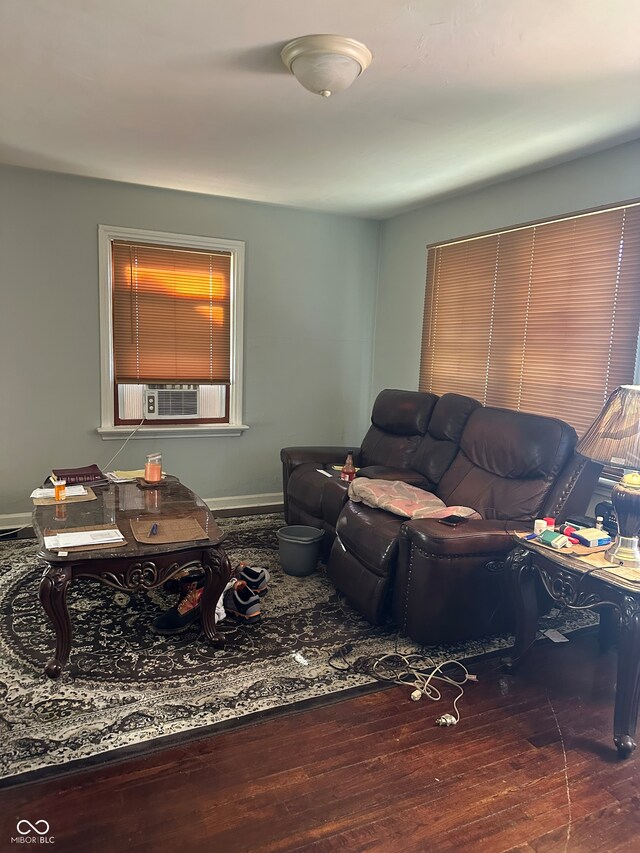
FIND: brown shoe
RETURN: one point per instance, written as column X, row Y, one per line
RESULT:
column 178, row 618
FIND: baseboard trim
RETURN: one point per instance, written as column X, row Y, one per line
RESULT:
column 267, row 499
column 14, row 521
column 271, row 500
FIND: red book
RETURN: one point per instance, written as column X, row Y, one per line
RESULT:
column 76, row 476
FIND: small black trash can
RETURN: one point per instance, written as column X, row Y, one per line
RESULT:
column 299, row 548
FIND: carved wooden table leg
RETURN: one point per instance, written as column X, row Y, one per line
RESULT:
column 608, row 628
column 53, row 597
column 628, row 688
column 217, row 571
column 521, row 583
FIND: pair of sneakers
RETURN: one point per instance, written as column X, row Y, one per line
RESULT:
column 241, row 600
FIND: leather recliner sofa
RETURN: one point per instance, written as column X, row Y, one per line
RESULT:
column 413, row 437
column 430, row 579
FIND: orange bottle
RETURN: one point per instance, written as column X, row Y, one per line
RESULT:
column 348, row 469
column 153, row 468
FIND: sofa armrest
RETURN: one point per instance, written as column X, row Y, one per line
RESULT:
column 477, row 537
column 292, row 457
column 443, row 591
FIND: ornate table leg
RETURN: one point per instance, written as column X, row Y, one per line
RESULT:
column 628, row 687
column 217, row 571
column 53, row 597
column 522, row 588
column 608, row 627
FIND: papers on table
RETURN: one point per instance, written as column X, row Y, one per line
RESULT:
column 83, row 538
column 70, row 492
column 125, row 476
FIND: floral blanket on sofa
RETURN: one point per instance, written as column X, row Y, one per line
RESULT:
column 402, row 499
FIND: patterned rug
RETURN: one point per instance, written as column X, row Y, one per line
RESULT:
column 125, row 686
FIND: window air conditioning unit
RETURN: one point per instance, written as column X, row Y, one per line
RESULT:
column 171, row 401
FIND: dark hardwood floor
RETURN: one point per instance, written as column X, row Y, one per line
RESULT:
column 530, row 767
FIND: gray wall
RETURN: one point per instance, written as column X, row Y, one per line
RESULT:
column 309, row 311
column 599, row 179
column 312, row 363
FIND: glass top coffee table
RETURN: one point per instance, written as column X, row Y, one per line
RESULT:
column 135, row 566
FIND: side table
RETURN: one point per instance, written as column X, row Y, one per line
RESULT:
column 575, row 584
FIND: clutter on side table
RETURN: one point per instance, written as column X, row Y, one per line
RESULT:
column 568, row 535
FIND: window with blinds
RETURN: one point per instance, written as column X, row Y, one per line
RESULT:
column 173, row 350
column 544, row 318
column 171, row 319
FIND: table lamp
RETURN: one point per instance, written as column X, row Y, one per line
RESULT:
column 614, row 439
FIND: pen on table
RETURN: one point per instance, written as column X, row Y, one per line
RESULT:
column 154, row 530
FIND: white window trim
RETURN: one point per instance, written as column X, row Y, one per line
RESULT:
column 108, row 429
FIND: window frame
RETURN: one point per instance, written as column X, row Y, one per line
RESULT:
column 108, row 429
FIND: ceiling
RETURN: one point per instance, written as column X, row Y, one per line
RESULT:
column 192, row 94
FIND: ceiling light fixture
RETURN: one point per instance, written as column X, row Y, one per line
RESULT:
column 325, row 64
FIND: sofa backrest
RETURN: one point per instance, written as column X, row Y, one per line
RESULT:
column 399, row 420
column 438, row 448
column 507, row 463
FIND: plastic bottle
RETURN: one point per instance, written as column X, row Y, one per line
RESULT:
column 59, row 490
column 599, row 522
column 348, row 469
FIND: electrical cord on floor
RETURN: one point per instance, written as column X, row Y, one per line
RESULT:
column 361, row 665
column 16, row 530
column 412, row 670
column 413, row 673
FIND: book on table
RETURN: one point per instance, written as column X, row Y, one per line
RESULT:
column 76, row 476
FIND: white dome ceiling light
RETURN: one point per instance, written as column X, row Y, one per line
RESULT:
column 326, row 64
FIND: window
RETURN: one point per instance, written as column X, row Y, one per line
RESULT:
column 542, row 318
column 171, row 333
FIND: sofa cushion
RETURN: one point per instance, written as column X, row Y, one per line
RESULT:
column 438, row 448
column 394, row 496
column 399, row 420
column 403, row 412
column 506, row 463
column 406, row 475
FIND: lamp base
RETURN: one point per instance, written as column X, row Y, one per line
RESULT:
column 624, row 552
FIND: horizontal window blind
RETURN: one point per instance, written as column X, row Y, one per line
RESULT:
column 171, row 314
column 543, row 318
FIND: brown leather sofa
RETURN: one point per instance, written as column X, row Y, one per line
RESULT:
column 413, row 437
column 432, row 580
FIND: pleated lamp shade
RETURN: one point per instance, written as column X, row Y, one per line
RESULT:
column 614, row 437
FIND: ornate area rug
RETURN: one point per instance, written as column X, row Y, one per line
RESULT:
column 125, row 686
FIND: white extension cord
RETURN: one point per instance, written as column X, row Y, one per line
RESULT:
column 422, row 679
